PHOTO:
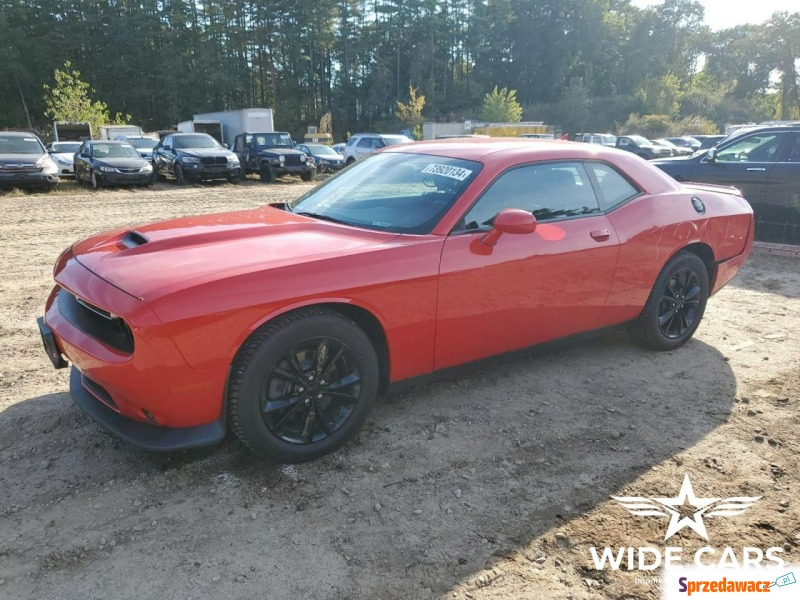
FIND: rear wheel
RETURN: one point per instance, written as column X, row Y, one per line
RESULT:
column 675, row 306
column 302, row 385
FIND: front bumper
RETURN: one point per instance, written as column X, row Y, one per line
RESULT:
column 23, row 178
column 113, row 178
column 147, row 394
column 137, row 433
column 293, row 169
column 200, row 171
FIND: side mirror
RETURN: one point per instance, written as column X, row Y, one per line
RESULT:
column 225, row 145
column 511, row 220
column 711, row 156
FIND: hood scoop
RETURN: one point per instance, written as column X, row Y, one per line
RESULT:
column 133, row 239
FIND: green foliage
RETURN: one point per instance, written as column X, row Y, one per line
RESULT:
column 649, row 126
column 659, row 95
column 410, row 113
column 69, row 100
column 694, row 125
column 501, row 106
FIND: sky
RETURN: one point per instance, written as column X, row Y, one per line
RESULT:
column 722, row 14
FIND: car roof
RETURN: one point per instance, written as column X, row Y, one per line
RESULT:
column 112, row 142
column 505, row 152
column 18, row 134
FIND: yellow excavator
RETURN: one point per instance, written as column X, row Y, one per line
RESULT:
column 323, row 135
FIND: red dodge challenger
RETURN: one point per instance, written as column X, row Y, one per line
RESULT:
column 285, row 323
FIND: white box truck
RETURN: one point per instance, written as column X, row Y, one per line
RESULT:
column 72, row 132
column 113, row 132
column 234, row 122
column 213, row 128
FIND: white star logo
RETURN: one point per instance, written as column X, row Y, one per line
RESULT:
column 686, row 510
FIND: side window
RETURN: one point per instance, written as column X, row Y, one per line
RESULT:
column 167, row 143
column 365, row 143
column 793, row 153
column 550, row 191
column 623, row 142
column 378, row 143
column 352, row 141
column 614, row 188
column 761, row 147
column 82, row 149
column 238, row 145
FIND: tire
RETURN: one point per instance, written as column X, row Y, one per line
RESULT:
column 180, row 177
column 675, row 306
column 234, row 179
column 156, row 175
column 264, row 374
column 349, row 161
column 93, row 180
column 308, row 175
column 267, row 174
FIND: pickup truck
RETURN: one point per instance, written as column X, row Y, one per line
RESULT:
column 272, row 155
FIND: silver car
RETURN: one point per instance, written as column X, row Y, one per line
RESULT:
column 364, row 144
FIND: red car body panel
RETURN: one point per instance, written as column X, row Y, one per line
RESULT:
column 192, row 290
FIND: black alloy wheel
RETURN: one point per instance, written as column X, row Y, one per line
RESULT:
column 180, row 177
column 676, row 304
column 680, row 303
column 302, row 385
column 310, row 391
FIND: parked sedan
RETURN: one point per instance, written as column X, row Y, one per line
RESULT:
column 676, row 150
column 287, row 322
column 194, row 157
column 24, row 162
column 325, row 157
column 642, row 147
column 63, row 154
column 144, row 145
column 339, row 148
column 764, row 163
column 110, row 162
column 686, row 141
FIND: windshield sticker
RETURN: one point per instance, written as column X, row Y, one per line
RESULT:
column 447, row 171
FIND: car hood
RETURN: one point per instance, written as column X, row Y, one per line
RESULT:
column 21, row 159
column 155, row 259
column 679, row 160
column 122, row 161
column 278, row 150
column 70, row 156
column 201, row 152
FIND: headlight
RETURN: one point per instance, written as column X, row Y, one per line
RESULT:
column 303, row 158
column 107, row 169
column 146, row 168
column 47, row 165
column 189, row 159
column 233, row 161
column 62, row 161
column 282, row 158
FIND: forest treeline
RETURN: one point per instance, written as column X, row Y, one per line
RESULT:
column 580, row 64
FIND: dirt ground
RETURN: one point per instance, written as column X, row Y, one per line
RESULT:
column 491, row 486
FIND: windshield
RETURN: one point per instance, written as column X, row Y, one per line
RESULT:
column 321, row 150
column 638, row 140
column 195, row 141
column 391, row 140
column 398, row 192
column 146, row 143
column 114, row 151
column 66, row 147
column 272, row 140
column 14, row 144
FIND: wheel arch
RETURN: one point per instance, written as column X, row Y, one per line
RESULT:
column 365, row 318
column 704, row 252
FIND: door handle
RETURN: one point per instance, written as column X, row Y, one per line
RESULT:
column 756, row 169
column 601, row 234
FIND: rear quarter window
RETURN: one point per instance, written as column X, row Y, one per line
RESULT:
column 613, row 187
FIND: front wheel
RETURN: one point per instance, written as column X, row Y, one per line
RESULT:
column 93, row 180
column 302, row 385
column 308, row 175
column 675, row 306
column 180, row 177
column 267, row 173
